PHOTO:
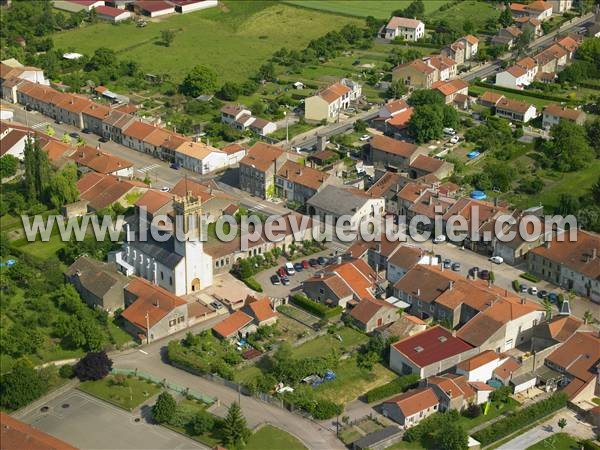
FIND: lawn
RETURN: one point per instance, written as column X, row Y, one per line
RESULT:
column 186, row 409
column 381, row 9
column 539, row 103
column 350, row 339
column 477, row 12
column 234, row 39
column 558, row 441
column 133, row 393
column 42, row 250
column 352, row 381
column 270, row 438
column 495, row 410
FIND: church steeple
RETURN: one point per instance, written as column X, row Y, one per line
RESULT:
column 188, row 216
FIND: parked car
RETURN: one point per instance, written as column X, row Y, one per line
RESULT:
column 523, row 288
column 58, row 122
column 447, row 263
column 289, row 268
column 285, row 281
column 275, row 279
column 533, row 290
column 216, row 305
column 542, row 294
column 74, row 135
column 365, row 137
column 86, row 130
column 449, row 131
column 456, row 267
column 281, row 272
column 313, row 262
column 553, row 297
column 439, row 239
column 484, row 274
column 175, row 166
column 299, row 267
column 497, row 259
column 103, row 139
column 305, row 264
column 322, row 260
column 474, row 271
column 454, row 139
column 165, row 189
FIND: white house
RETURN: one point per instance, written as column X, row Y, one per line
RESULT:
column 480, row 367
column 515, row 110
column 560, row 6
column 408, row 29
column 13, row 143
column 553, row 114
column 200, row 158
column 514, row 77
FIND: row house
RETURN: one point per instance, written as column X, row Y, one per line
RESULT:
column 240, row 118
column 331, row 101
column 540, row 10
column 200, row 157
column 134, row 135
column 519, row 75
column 416, row 74
column 295, row 182
column 393, row 117
column 93, row 116
column 462, row 49
column 259, row 167
column 507, row 36
column 115, row 124
column 451, row 89
column 446, row 67
column 388, row 152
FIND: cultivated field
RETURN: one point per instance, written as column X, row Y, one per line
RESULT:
column 380, row 9
column 234, row 39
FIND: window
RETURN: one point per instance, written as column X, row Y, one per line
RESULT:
column 180, row 319
column 170, row 281
column 172, row 323
column 321, row 291
column 162, row 275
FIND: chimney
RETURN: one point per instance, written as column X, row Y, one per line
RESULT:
column 418, row 292
column 157, row 303
column 594, row 253
column 450, row 285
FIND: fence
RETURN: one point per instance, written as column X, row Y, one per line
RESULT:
column 172, row 386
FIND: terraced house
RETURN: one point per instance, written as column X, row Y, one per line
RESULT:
column 297, row 183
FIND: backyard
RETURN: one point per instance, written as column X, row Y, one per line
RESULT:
column 125, row 392
column 495, row 410
column 247, row 32
column 270, row 438
column 558, row 441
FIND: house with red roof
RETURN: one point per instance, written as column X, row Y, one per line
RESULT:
column 389, row 152
column 481, row 367
column 328, row 103
column 394, row 116
column 409, row 408
column 154, row 8
column 373, row 313
column 405, row 28
column 429, row 353
column 89, row 158
column 254, row 314
column 416, row 74
column 260, row 310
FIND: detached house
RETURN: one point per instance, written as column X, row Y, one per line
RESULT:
column 409, row 408
column 395, row 116
column 408, row 29
column 451, row 90
column 530, row 24
column 462, row 49
column 259, row 167
column 553, row 114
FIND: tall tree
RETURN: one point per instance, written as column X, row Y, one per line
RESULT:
column 200, row 80
column 167, row 37
column 505, row 18
column 568, row 150
column 63, row 188
column 235, row 430
column 21, row 386
column 165, row 408
column 93, row 366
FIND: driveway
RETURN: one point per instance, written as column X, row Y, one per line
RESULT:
column 574, row 427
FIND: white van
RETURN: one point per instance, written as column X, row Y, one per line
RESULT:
column 289, row 268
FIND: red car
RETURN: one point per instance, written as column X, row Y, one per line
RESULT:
column 281, row 272
column 305, row 264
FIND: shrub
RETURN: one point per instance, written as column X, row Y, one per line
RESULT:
column 473, row 411
column 165, row 408
column 520, row 419
column 93, row 366
column 66, row 371
column 253, row 284
column 516, row 285
column 396, row 386
column 530, row 277
column 326, row 409
column 315, row 308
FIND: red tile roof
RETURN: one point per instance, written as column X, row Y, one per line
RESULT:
column 367, row 308
column 102, row 190
column 109, row 11
column 260, row 309
column 17, row 435
column 302, row 175
column 393, row 146
column 477, row 361
column 153, row 200
column 430, row 346
column 153, row 5
column 333, row 92
column 415, row 401
column 99, row 161
column 261, row 156
column 232, row 324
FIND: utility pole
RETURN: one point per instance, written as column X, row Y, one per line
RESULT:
column 287, row 129
column 147, row 328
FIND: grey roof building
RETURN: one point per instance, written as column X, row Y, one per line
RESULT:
column 99, row 284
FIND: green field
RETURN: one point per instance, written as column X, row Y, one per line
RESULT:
column 475, row 11
column 234, row 39
column 319, row 346
column 381, row 9
column 128, row 396
column 539, row 103
column 558, row 441
column 270, row 438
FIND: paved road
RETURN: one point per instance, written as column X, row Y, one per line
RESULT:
column 256, row 412
column 574, row 427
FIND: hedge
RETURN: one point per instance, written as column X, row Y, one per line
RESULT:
column 530, row 277
column 396, row 386
column 521, row 418
column 527, row 93
column 253, row 284
column 318, row 309
column 516, row 285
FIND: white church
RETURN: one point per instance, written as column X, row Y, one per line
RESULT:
column 177, row 265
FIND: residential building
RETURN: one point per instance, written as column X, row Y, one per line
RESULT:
column 462, row 49
column 88, row 158
column 454, row 392
column 388, row 187
column 259, row 168
column 115, row 124
column 328, row 103
column 409, row 408
column 555, row 331
column 19, row 435
column 429, row 353
column 179, row 266
column 392, row 153
column 406, row 325
column 13, row 143
column 407, row 29
column 235, row 153
column 111, row 14
column 261, row 311
column 102, row 191
column 540, row 10
column 450, row 89
column 480, row 367
column 416, row 74
column 200, row 157
column 152, row 312
column 394, row 116
column 507, row 36
column 446, row 67
column 573, row 265
column 553, row 114
column 13, row 69
column 262, row 127
column 577, row 359
column 531, row 25
column 569, row 43
column 402, row 261
column 371, row 314
column 471, row 44
column 515, row 110
column 424, row 165
column 514, row 251
column 514, row 77
column 237, row 325
column 93, row 116
column 341, row 283
column 336, row 202
column 99, row 284
column 135, row 135
column 240, row 118
column 295, row 182
column 490, row 99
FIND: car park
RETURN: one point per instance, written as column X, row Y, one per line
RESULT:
column 298, row 267
column 523, row 288
column 456, row 267
column 275, row 280
column 497, row 259
column 313, row 262
column 289, row 268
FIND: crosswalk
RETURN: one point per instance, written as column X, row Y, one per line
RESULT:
column 40, row 125
column 149, row 168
